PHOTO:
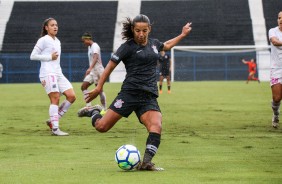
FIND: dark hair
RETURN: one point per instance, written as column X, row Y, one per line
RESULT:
column 45, row 23
column 86, row 35
column 128, row 24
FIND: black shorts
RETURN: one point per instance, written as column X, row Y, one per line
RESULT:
column 164, row 73
column 125, row 103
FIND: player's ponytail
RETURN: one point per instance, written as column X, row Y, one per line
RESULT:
column 126, row 30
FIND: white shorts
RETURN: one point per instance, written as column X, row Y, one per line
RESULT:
column 55, row 83
column 93, row 78
column 275, row 76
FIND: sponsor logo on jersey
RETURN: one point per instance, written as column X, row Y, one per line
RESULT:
column 115, row 57
column 118, row 103
column 138, row 51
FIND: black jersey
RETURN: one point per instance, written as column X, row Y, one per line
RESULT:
column 164, row 63
column 140, row 63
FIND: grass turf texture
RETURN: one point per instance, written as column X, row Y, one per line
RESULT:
column 213, row 132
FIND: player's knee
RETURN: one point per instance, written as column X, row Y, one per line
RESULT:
column 54, row 98
column 83, row 87
column 159, row 126
column 276, row 98
column 71, row 98
column 55, row 101
column 155, row 127
column 99, row 124
column 100, row 127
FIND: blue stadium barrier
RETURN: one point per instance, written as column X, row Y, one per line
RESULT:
column 18, row 68
column 189, row 66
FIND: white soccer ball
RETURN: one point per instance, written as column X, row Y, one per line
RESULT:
column 127, row 157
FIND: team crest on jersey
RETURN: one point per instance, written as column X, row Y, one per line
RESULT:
column 118, row 103
column 155, row 49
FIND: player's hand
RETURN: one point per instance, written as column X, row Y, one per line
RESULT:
column 186, row 29
column 87, row 71
column 91, row 95
column 55, row 55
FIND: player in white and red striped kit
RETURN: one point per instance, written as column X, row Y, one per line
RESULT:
column 48, row 51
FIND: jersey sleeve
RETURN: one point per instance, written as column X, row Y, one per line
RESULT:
column 96, row 49
column 121, row 53
column 159, row 45
column 36, row 52
column 271, row 33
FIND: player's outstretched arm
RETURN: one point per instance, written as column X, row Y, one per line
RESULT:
column 244, row 61
column 174, row 41
column 96, row 91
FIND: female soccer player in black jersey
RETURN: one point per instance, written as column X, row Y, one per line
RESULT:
column 139, row 91
column 165, row 64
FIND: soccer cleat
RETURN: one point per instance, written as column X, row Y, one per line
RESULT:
column 161, row 92
column 275, row 121
column 87, row 111
column 49, row 124
column 148, row 166
column 58, row 132
column 169, row 92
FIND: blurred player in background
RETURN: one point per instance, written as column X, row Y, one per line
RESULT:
column 95, row 70
column 165, row 68
column 275, row 38
column 139, row 91
column 48, row 51
column 252, row 69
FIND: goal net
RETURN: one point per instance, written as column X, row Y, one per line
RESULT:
column 198, row 63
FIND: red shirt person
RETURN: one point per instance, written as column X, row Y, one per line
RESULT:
column 252, row 69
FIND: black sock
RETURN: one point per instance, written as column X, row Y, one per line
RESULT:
column 95, row 115
column 161, row 87
column 275, row 107
column 168, row 87
column 152, row 144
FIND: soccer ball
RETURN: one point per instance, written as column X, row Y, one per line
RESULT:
column 127, row 157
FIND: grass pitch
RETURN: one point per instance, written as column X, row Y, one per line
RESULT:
column 213, row 132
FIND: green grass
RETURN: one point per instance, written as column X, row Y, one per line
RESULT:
column 213, row 132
